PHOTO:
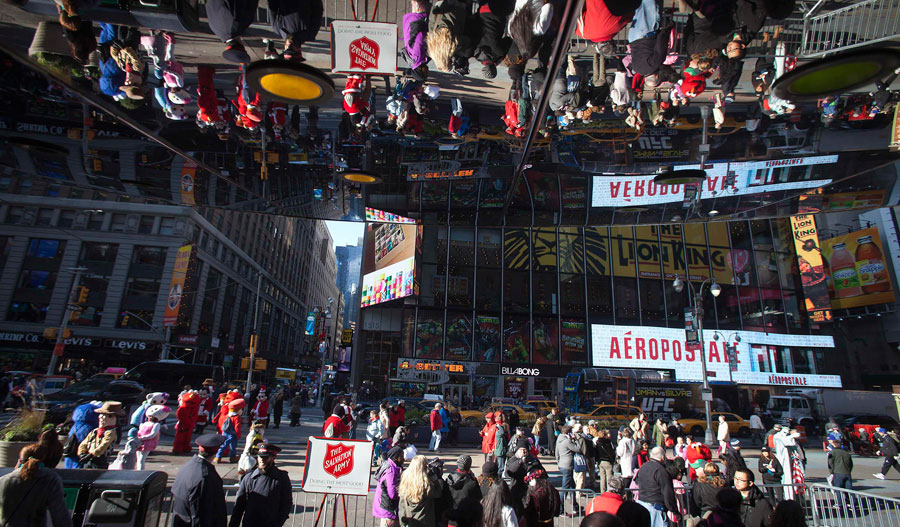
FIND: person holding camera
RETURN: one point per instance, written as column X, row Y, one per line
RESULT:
column 385, row 503
column 568, row 444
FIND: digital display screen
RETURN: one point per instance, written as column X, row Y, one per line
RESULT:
column 390, row 262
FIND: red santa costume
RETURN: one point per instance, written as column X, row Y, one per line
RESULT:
column 260, row 409
column 278, row 117
column 188, row 408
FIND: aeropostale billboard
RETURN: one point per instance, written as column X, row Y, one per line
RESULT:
column 646, row 347
column 748, row 178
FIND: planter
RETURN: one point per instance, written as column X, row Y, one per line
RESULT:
column 9, row 452
column 49, row 38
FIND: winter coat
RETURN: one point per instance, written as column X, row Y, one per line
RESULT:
column 733, row 461
column 605, row 450
column 466, row 496
column 755, row 509
column 598, row 24
column 656, row 485
column 625, row 451
column 560, row 97
column 566, row 448
column 888, row 446
column 228, row 19
column 488, row 438
column 773, row 476
column 749, row 18
column 445, row 421
column 500, row 442
column 436, row 422
column 422, row 513
column 649, row 53
column 516, row 470
column 334, row 427
column 840, row 462
column 415, row 28
column 693, row 84
column 375, row 431
column 299, row 20
column 386, row 499
column 701, row 34
column 492, row 47
column 704, row 498
column 451, row 14
column 542, row 506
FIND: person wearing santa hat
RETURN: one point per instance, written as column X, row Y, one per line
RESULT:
column 260, row 409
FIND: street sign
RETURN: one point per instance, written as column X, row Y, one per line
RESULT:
column 58, row 348
column 706, row 394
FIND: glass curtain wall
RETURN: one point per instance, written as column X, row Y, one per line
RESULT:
column 536, row 291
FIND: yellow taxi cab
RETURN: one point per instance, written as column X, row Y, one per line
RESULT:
column 610, row 415
column 696, row 425
column 544, row 406
column 527, row 413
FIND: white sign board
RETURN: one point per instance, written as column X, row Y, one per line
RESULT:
column 664, row 349
column 754, row 177
column 338, row 466
column 363, row 47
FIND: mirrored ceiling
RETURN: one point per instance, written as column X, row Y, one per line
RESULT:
column 570, row 131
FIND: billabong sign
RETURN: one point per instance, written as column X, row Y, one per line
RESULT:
column 338, row 466
column 520, row 372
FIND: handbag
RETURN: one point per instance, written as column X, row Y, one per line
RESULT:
column 579, row 463
column 70, row 449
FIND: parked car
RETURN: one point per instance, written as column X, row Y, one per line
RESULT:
column 543, row 406
column 610, row 415
column 60, row 404
column 696, row 424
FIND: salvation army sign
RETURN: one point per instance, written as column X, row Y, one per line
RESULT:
column 363, row 47
column 338, row 460
column 648, row 347
column 337, row 466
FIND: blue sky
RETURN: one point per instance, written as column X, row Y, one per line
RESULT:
column 345, row 232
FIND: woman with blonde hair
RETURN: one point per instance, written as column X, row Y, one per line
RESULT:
column 418, row 492
column 33, row 491
column 708, row 483
column 447, row 32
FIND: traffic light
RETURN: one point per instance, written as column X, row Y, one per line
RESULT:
column 83, row 293
column 53, row 333
column 125, row 318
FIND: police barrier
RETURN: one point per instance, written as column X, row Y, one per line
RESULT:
column 839, row 507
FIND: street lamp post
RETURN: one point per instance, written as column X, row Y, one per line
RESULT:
column 715, row 289
column 60, row 335
column 730, row 351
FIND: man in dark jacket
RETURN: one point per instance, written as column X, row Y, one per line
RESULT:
column 554, row 420
column 733, row 459
column 888, row 450
column 655, row 482
column 264, row 497
column 466, row 494
column 296, row 21
column 771, row 471
column 492, row 46
column 518, row 467
column 755, row 508
column 198, row 498
column 228, row 19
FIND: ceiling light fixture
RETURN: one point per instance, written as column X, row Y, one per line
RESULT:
column 360, row 177
column 837, row 74
column 668, row 176
column 289, row 82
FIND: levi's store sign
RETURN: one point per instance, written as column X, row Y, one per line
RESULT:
column 617, row 190
column 645, row 347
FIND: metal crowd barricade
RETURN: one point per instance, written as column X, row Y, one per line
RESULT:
column 860, row 24
column 838, row 507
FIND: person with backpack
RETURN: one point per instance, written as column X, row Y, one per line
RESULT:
column 386, row 502
column 888, row 450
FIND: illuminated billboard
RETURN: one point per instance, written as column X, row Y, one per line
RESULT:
column 811, row 267
column 390, row 262
column 759, row 355
column 722, row 180
column 857, row 270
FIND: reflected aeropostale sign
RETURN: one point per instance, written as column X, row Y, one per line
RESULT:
column 645, row 347
column 722, row 180
column 363, row 47
column 337, row 466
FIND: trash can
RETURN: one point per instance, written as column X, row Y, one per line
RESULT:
column 126, row 498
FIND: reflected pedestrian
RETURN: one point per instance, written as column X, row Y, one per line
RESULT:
column 20, row 503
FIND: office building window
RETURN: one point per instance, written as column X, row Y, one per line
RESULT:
column 145, row 225
column 167, row 226
column 66, row 219
column 118, row 223
column 95, row 220
column 44, row 217
column 14, row 215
